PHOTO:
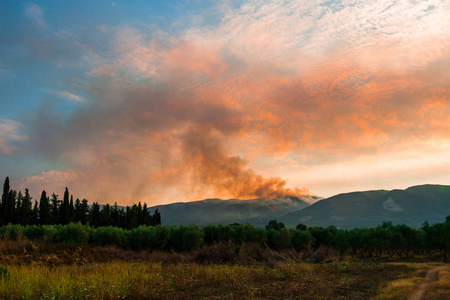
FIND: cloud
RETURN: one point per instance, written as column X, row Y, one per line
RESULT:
column 34, row 13
column 9, row 133
column 179, row 117
column 69, row 96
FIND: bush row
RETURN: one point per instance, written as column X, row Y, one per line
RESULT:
column 389, row 239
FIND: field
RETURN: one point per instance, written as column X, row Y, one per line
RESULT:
column 69, row 272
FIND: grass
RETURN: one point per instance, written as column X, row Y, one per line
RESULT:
column 132, row 280
column 435, row 288
column 58, row 271
column 440, row 288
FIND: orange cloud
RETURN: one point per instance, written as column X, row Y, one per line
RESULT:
column 190, row 116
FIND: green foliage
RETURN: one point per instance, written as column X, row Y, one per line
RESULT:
column 322, row 236
column 273, row 224
column 301, row 227
column 279, row 239
column 150, row 237
column 11, row 232
column 300, row 239
column 237, row 233
column 385, row 239
column 185, row 238
column 110, row 236
column 39, row 233
column 74, row 233
column 437, row 237
column 340, row 242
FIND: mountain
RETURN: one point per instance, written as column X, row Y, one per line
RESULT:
column 257, row 212
column 370, row 208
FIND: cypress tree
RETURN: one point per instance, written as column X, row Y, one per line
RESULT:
column 157, row 218
column 132, row 216
column 11, row 209
column 140, row 214
column 146, row 218
column 64, row 209
column 84, row 211
column 77, row 211
column 71, row 209
column 45, row 215
column 55, row 208
column 122, row 218
column 25, row 209
column 106, row 215
column 4, row 204
column 17, row 209
column 35, row 214
column 94, row 215
column 115, row 216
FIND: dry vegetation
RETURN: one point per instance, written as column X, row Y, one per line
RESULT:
column 145, row 280
column 439, row 288
column 56, row 271
column 429, row 280
column 33, row 270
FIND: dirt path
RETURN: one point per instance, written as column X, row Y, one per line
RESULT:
column 431, row 275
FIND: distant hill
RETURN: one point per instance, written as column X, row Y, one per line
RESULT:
column 216, row 211
column 368, row 209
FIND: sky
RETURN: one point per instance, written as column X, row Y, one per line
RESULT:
column 169, row 101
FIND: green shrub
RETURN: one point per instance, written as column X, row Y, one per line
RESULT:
column 143, row 237
column 35, row 232
column 74, row 233
column 192, row 237
column 300, row 239
column 162, row 236
column 11, row 232
column 185, row 238
column 150, row 237
column 110, row 236
column 254, row 235
column 279, row 239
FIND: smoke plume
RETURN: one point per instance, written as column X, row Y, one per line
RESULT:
column 213, row 167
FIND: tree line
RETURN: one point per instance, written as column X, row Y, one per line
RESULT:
column 68, row 221
column 18, row 208
column 386, row 239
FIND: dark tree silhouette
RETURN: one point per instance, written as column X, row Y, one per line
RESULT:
column 156, row 219
column 55, row 202
column 11, row 209
column 45, row 215
column 17, row 208
column 71, row 209
column 105, row 218
column 25, row 215
column 94, row 215
column 64, row 209
column 5, row 199
column 275, row 225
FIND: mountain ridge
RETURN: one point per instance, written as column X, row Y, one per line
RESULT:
column 411, row 206
column 256, row 211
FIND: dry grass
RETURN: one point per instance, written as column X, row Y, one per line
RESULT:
column 345, row 280
column 410, row 282
column 439, row 289
column 56, row 271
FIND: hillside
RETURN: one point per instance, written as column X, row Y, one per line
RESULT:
column 216, row 211
column 370, row 208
